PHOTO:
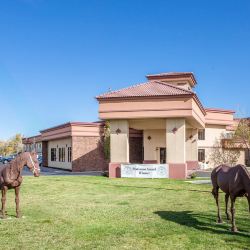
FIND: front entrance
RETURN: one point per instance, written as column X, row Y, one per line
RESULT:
column 163, row 155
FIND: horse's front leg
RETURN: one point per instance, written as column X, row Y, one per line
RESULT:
column 17, row 191
column 4, row 191
column 226, row 201
column 234, row 228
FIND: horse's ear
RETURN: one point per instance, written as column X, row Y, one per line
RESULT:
column 33, row 153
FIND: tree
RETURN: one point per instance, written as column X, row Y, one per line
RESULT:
column 11, row 146
column 1, row 147
column 242, row 135
column 107, row 140
column 225, row 151
column 16, row 143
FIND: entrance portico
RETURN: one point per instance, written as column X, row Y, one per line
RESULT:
column 172, row 141
column 167, row 111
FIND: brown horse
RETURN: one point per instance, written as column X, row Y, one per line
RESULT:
column 235, row 182
column 11, row 177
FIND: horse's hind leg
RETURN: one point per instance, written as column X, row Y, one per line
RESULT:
column 215, row 193
column 234, row 228
column 18, row 214
column 4, row 191
column 226, row 201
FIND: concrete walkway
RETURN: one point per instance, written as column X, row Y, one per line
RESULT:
column 199, row 181
column 203, row 173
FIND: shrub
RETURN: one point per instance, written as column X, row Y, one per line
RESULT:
column 193, row 175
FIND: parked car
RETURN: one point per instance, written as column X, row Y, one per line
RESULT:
column 7, row 159
column 40, row 160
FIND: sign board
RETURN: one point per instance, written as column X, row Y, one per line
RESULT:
column 144, row 171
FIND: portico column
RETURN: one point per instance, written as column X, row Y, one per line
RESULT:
column 194, row 145
column 119, row 146
column 176, row 147
column 192, row 148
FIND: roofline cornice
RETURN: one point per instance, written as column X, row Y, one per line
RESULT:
column 70, row 124
column 143, row 97
column 172, row 76
column 199, row 104
column 217, row 110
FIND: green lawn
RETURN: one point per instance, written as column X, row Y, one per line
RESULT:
column 101, row 213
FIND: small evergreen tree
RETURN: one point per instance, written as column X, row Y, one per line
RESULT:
column 107, row 140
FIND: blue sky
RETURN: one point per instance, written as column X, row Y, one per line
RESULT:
column 55, row 56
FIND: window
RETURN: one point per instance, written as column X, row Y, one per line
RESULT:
column 228, row 135
column 62, row 154
column 69, row 154
column 201, row 134
column 201, row 155
column 53, row 154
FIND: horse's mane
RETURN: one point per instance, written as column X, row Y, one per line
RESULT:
column 14, row 163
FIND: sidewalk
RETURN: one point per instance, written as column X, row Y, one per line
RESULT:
column 46, row 171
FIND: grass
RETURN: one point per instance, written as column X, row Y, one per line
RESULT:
column 100, row 213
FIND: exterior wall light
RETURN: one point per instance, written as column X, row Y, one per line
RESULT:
column 118, row 131
column 149, row 138
column 174, row 130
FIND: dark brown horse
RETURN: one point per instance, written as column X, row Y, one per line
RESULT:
column 11, row 177
column 235, row 182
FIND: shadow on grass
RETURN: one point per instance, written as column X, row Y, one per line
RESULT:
column 199, row 221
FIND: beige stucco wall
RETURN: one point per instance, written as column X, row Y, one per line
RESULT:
column 216, row 116
column 68, row 130
column 146, row 124
column 151, row 147
column 86, row 130
column 56, row 133
column 109, row 109
column 197, row 114
column 142, row 108
column 191, row 144
column 241, row 159
column 176, row 149
column 119, row 142
column 61, row 143
column 212, row 133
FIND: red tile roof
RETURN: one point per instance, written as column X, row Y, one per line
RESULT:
column 147, row 89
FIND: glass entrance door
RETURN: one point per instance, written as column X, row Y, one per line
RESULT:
column 163, row 155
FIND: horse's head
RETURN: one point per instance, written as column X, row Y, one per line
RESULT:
column 32, row 163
